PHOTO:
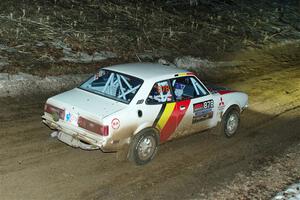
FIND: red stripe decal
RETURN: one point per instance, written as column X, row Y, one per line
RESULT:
column 174, row 120
column 221, row 92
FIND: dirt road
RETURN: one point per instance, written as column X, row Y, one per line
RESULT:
column 35, row 166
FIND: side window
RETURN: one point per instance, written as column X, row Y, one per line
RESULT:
column 187, row 88
column 200, row 90
column 160, row 93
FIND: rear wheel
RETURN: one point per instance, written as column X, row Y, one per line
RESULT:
column 230, row 122
column 144, row 147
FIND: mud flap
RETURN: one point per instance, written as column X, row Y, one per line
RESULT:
column 217, row 130
column 122, row 154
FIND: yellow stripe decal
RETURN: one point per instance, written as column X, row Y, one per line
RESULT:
column 166, row 115
column 182, row 74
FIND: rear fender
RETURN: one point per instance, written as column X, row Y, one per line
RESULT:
column 146, row 127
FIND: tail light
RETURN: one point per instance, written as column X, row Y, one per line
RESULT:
column 92, row 126
column 56, row 112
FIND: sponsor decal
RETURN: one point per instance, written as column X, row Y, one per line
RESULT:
column 115, row 123
column 68, row 117
column 71, row 118
column 169, row 117
column 203, row 105
column 221, row 104
column 162, row 88
column 203, row 111
column 161, row 92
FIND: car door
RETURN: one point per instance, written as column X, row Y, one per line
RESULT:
column 160, row 101
column 195, row 106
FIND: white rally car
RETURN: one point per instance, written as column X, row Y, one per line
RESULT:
column 133, row 108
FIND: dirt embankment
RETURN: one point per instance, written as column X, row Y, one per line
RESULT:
column 66, row 36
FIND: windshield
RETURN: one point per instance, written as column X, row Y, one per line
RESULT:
column 113, row 85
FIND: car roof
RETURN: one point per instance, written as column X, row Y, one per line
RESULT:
column 146, row 70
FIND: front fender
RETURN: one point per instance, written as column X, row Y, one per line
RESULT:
column 231, row 104
column 238, row 99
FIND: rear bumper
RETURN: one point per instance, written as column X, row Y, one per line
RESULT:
column 74, row 136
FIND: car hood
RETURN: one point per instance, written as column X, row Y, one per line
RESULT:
column 217, row 89
column 86, row 103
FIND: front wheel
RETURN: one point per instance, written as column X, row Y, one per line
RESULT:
column 144, row 147
column 231, row 121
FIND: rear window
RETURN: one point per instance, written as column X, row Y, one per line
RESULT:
column 120, row 87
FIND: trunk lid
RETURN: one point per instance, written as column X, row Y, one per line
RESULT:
column 86, row 103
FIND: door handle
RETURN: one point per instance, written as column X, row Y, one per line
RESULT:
column 182, row 107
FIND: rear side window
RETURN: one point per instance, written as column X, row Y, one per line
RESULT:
column 187, row 88
column 160, row 93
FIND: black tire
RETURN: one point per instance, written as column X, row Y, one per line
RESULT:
column 231, row 122
column 143, row 147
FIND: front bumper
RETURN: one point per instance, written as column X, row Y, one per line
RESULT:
column 244, row 108
column 74, row 136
